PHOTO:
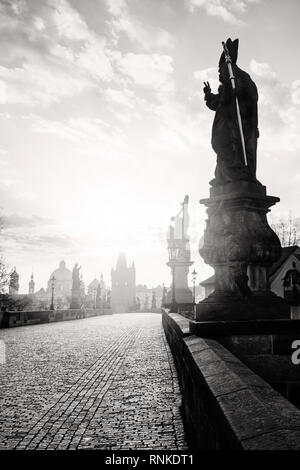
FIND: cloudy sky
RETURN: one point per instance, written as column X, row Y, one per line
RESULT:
column 104, row 129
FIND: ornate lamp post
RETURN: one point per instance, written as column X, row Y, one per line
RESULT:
column 95, row 297
column 194, row 274
column 52, row 292
column 173, row 254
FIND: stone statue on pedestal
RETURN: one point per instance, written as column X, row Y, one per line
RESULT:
column 238, row 241
column 226, row 137
column 178, row 237
column 98, row 297
column 76, row 288
column 76, row 277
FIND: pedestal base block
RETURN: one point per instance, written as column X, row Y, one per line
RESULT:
column 182, row 296
column 241, row 246
column 228, row 307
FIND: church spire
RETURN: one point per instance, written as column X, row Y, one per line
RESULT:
column 31, row 285
column 121, row 262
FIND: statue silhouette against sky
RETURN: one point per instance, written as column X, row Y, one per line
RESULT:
column 238, row 241
column 233, row 163
column 76, row 278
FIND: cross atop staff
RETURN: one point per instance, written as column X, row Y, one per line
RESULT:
column 180, row 232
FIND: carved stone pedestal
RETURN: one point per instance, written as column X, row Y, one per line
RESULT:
column 75, row 300
column 240, row 245
column 183, row 294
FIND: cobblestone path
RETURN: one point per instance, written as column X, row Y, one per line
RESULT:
column 99, row 383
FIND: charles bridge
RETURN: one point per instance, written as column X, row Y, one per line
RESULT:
column 147, row 381
column 214, row 375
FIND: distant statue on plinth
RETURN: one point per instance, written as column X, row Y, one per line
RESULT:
column 76, row 277
column 153, row 300
column 98, row 297
column 76, row 288
column 235, row 128
column 238, row 241
column 108, row 299
column 180, row 261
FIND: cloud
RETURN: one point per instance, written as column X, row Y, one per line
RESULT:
column 181, row 131
column 273, row 93
column 27, row 196
column 35, row 84
column 16, row 220
column 296, row 92
column 264, row 71
column 49, row 53
column 60, row 241
column 58, row 128
column 148, row 70
column 116, row 7
column 124, row 97
column 227, row 10
column 35, row 234
column 5, row 115
column 208, row 75
column 144, row 35
column 68, row 21
column 18, row 241
column 148, row 37
column 3, row 97
column 93, row 137
column 9, row 182
column 278, row 111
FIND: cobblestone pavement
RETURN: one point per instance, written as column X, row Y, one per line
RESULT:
column 99, row 383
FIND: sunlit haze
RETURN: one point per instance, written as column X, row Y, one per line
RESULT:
column 104, row 129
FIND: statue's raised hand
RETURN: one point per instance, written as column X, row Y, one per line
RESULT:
column 206, row 88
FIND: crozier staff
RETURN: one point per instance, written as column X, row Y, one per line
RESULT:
column 231, row 78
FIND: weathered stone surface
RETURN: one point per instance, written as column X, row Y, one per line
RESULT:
column 195, row 345
column 217, row 329
column 182, row 322
column 225, row 404
column 229, row 380
column 240, row 245
column 211, row 355
column 276, row 440
column 268, row 355
column 252, row 412
column 273, row 368
column 248, row 344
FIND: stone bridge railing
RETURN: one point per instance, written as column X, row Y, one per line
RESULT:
column 224, row 404
column 13, row 319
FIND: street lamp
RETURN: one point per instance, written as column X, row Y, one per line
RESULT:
column 95, row 297
column 173, row 254
column 52, row 292
column 194, row 274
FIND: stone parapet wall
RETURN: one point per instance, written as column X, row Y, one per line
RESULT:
column 224, row 404
column 265, row 346
column 13, row 319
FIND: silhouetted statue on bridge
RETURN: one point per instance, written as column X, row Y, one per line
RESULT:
column 235, row 120
column 238, row 241
column 76, row 284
